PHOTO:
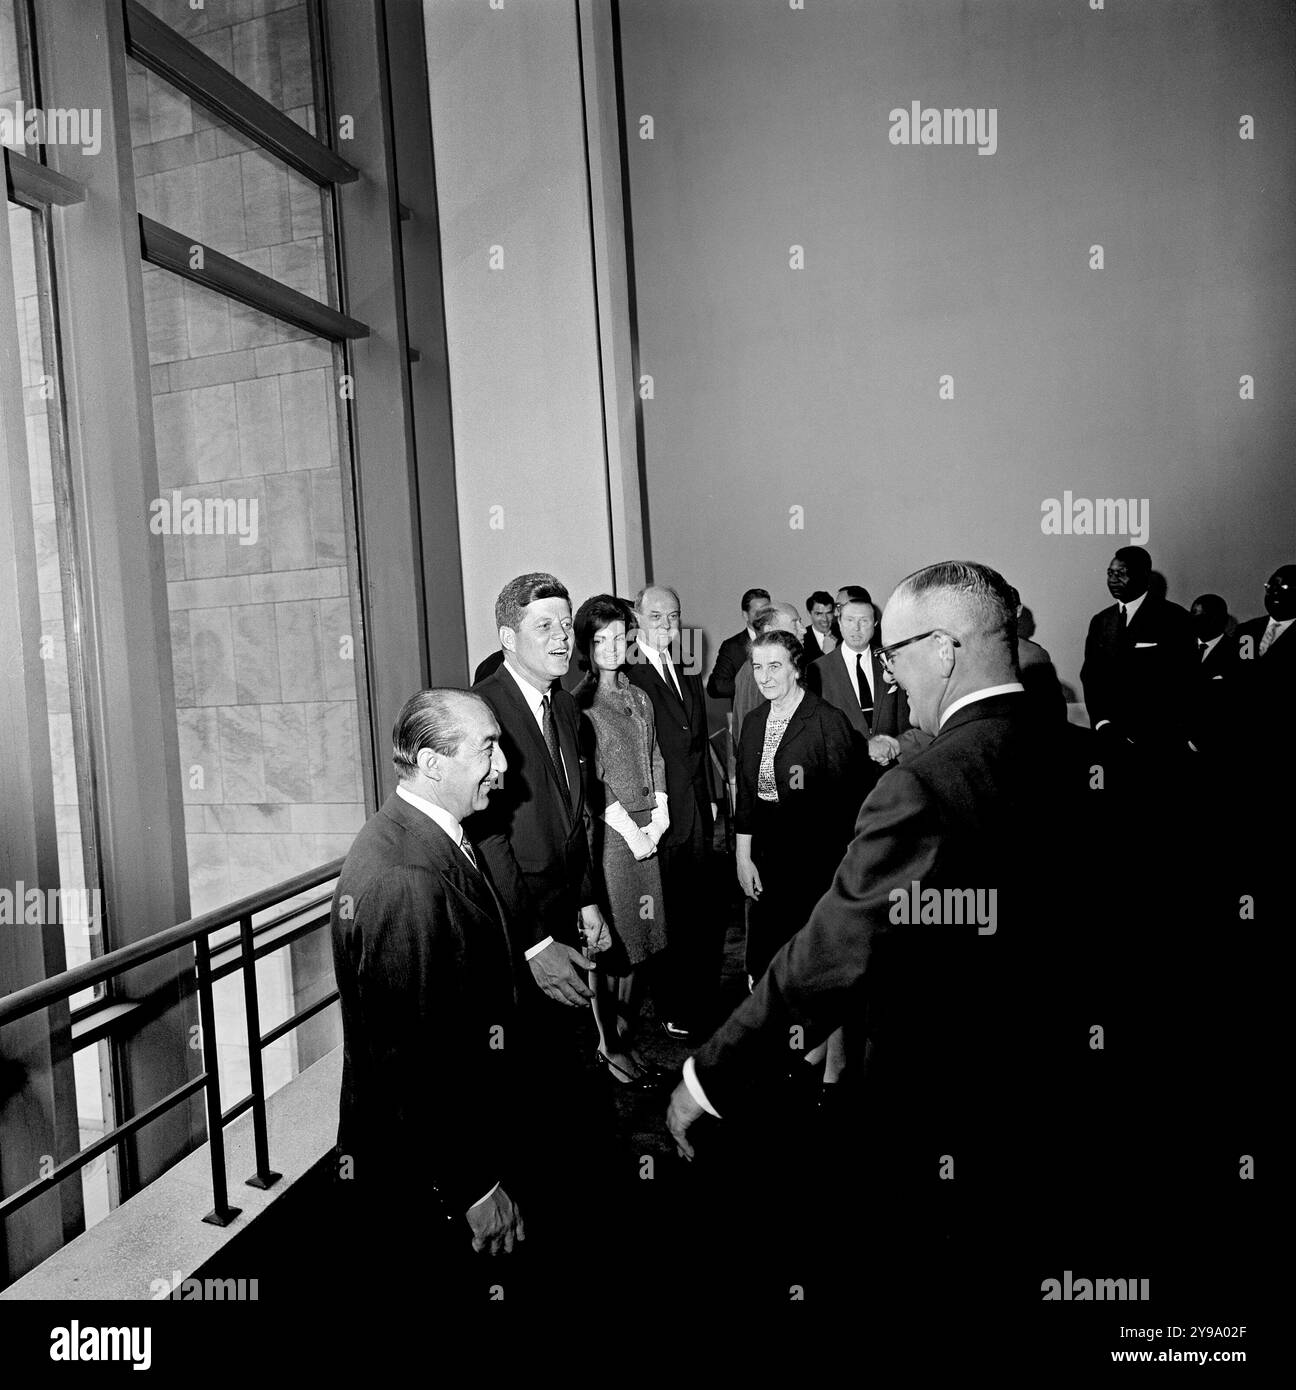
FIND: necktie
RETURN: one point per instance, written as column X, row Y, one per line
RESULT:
column 1201, row 648
column 671, row 679
column 1121, row 622
column 466, row 845
column 865, row 695
column 551, row 741
column 1267, row 640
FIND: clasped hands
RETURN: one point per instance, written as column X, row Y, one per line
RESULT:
column 882, row 748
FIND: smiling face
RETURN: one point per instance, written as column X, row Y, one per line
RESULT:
column 921, row 669
column 775, row 674
column 542, row 645
column 465, row 780
column 821, row 616
column 608, row 647
column 658, row 618
column 1280, row 594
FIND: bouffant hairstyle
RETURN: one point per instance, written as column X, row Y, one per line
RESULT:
column 593, row 616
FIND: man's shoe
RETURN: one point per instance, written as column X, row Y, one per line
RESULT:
column 676, row 1031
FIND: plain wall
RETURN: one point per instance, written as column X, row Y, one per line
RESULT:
column 509, row 143
column 818, row 388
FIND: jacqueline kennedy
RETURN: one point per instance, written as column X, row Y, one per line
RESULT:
column 626, row 793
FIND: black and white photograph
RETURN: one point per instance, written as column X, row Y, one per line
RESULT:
column 648, row 674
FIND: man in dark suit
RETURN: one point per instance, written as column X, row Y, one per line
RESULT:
column 733, row 650
column 1265, row 655
column 533, row 833
column 819, row 639
column 1215, row 685
column 533, row 838
column 938, row 1000
column 1267, row 642
column 425, row 977
column 878, row 709
column 1139, row 664
column 688, row 977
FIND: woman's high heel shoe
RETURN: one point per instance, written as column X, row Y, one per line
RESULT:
column 622, row 1076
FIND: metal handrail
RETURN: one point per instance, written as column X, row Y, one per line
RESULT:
column 196, row 933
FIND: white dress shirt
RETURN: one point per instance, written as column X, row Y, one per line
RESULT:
column 661, row 663
column 848, row 657
column 451, row 826
column 1132, row 606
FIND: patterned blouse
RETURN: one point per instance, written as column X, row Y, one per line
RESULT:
column 766, row 788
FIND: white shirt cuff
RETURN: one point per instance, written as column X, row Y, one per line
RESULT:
column 695, row 1088
column 486, row 1198
column 539, row 946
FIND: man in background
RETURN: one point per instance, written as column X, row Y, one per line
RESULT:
column 733, row 650
column 819, row 640
column 688, row 973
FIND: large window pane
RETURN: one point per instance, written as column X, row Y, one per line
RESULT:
column 199, row 176
column 264, row 43
column 266, row 659
column 79, row 879
column 14, row 86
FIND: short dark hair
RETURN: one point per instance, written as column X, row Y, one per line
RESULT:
column 1213, row 606
column 430, row 719
column 855, row 593
column 778, row 637
column 821, row 597
column 594, row 615
column 751, row 594
column 525, row 589
column 1135, row 558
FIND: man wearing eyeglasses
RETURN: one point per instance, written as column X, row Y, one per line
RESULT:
column 939, row 1007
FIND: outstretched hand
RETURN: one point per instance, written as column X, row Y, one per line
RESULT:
column 559, row 970
column 682, row 1112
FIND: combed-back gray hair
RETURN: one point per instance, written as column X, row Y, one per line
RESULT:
column 432, row 719
column 984, row 598
column 525, row 589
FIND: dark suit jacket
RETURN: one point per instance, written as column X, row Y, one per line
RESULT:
column 732, row 654
column 813, row 646
column 819, row 744
column 682, row 737
column 979, row 808
column 533, row 838
column 1214, row 691
column 488, row 664
column 1277, row 668
column 1141, row 681
column 424, row 973
column 828, row 678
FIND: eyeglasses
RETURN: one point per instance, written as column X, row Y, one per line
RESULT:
column 885, row 653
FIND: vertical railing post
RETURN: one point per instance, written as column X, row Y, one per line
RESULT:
column 264, row 1176
column 221, row 1213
